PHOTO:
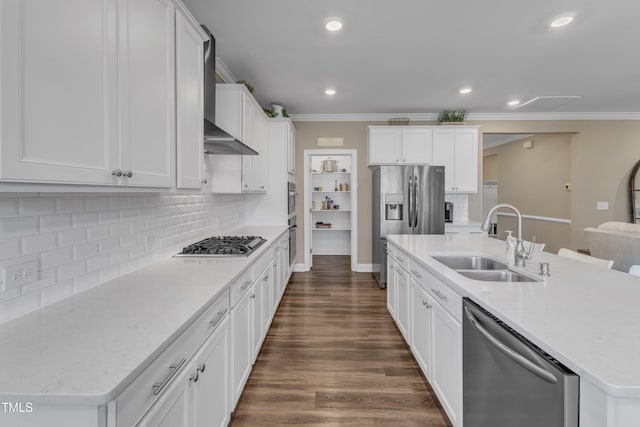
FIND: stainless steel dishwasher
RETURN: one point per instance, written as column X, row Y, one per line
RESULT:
column 508, row 381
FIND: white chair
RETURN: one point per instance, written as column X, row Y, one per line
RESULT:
column 635, row 270
column 568, row 253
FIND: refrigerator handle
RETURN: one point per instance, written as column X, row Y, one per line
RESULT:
column 415, row 201
column 409, row 197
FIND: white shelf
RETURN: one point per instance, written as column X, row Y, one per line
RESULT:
column 331, row 229
column 330, row 173
column 332, row 191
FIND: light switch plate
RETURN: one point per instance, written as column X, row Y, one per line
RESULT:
column 602, row 206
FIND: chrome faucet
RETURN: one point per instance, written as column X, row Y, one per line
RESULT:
column 520, row 253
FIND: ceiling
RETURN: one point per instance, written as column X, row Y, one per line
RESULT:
column 412, row 56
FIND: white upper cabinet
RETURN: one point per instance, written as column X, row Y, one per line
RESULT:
column 58, row 85
column 457, row 150
column 240, row 115
column 146, row 62
column 291, row 152
column 189, row 102
column 88, row 97
column 394, row 145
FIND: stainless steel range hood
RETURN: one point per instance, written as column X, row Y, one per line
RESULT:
column 216, row 140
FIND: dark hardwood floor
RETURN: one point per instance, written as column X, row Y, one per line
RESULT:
column 333, row 356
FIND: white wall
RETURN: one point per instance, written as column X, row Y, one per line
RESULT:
column 83, row 240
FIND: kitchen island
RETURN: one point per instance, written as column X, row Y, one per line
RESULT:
column 584, row 316
column 69, row 362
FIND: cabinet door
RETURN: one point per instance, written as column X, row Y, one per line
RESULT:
column 443, row 154
column 402, row 304
column 58, row 117
column 189, row 104
column 291, row 149
column 276, row 278
column 385, row 146
column 146, row 90
column 466, row 160
column 421, row 324
column 174, row 407
column 257, row 326
column 255, row 169
column 417, row 146
column 391, row 287
column 211, row 391
column 446, row 368
column 241, row 345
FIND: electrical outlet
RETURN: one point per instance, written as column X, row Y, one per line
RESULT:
column 14, row 276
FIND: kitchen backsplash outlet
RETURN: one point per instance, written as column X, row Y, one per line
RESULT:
column 460, row 206
column 82, row 241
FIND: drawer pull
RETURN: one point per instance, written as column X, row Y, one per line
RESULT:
column 194, row 377
column 158, row 387
column 201, row 367
column 218, row 318
column 246, row 285
column 253, row 296
column 417, row 274
column 437, row 292
column 265, row 278
column 426, row 304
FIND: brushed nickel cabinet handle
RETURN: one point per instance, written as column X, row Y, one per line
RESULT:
column 116, row 172
column 218, row 318
column 128, row 174
column 158, row 387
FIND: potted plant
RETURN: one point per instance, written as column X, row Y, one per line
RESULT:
column 270, row 112
column 247, row 84
column 447, row 117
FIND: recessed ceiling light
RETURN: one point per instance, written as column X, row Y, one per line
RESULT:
column 562, row 20
column 465, row 90
column 330, row 92
column 513, row 103
column 333, row 24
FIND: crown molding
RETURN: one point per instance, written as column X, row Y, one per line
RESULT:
column 224, row 72
column 383, row 117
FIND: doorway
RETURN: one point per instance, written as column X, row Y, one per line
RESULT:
column 330, row 205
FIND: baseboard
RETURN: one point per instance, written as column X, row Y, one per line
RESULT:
column 364, row 268
column 299, row 268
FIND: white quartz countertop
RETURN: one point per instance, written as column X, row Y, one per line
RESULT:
column 86, row 349
column 587, row 317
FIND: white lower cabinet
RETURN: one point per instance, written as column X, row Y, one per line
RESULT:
column 241, row 344
column 402, row 304
column 446, row 369
column 421, row 330
column 211, row 391
column 428, row 314
column 199, row 395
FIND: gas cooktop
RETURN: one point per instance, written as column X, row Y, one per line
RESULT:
column 223, row 246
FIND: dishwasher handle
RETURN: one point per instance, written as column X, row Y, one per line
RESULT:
column 509, row 352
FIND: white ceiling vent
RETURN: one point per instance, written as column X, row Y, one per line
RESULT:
column 543, row 103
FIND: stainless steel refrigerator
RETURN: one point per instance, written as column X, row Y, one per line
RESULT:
column 406, row 200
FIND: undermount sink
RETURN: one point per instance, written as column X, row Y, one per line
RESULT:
column 470, row 262
column 477, row 267
column 496, row 276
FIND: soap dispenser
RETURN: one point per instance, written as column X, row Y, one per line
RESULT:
column 511, row 247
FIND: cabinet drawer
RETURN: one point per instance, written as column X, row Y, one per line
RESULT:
column 448, row 298
column 260, row 265
column 136, row 399
column 402, row 259
column 242, row 285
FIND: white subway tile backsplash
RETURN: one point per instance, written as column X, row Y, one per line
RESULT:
column 72, row 237
column 9, row 248
column 97, row 204
column 16, row 227
column 85, row 240
column 39, row 243
column 108, row 217
column 84, row 219
column 56, row 258
column 55, row 222
column 69, row 271
column 85, row 250
column 8, row 208
column 97, row 233
column 70, row 205
column 37, row 206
